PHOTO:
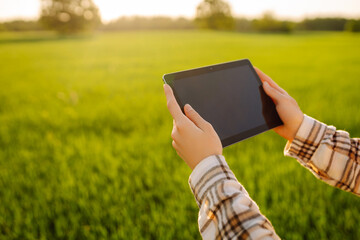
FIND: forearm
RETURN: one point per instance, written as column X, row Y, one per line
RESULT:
column 330, row 155
column 226, row 209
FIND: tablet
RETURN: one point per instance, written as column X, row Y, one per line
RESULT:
column 228, row 95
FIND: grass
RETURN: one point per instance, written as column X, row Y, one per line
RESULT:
column 85, row 148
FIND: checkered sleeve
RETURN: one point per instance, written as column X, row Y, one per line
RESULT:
column 330, row 154
column 226, row 209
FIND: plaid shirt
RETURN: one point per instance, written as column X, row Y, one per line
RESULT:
column 228, row 212
column 330, row 155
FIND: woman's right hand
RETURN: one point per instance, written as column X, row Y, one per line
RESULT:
column 287, row 108
column 194, row 139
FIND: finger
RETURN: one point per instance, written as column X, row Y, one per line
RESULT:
column 176, row 147
column 180, row 155
column 174, row 144
column 172, row 104
column 195, row 117
column 266, row 78
column 174, row 133
column 275, row 95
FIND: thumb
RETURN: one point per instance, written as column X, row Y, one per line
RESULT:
column 272, row 92
column 195, row 117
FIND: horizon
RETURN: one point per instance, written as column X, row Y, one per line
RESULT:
column 111, row 10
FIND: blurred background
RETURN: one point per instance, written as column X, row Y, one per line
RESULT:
column 85, row 147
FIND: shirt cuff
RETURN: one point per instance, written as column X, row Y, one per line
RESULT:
column 307, row 139
column 208, row 173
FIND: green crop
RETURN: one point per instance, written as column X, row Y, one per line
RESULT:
column 85, row 147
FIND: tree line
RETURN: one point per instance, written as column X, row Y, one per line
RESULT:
column 239, row 24
column 73, row 16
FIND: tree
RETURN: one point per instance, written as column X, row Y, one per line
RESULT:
column 323, row 24
column 352, row 25
column 21, row 25
column 140, row 23
column 268, row 23
column 214, row 14
column 69, row 16
column 2, row 27
column 243, row 25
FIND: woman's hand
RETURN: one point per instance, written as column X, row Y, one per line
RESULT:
column 286, row 106
column 193, row 138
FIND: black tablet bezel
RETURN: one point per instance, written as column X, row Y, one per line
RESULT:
column 169, row 78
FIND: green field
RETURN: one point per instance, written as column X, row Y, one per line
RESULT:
column 85, row 147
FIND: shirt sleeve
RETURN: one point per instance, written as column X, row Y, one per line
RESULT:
column 226, row 209
column 330, row 154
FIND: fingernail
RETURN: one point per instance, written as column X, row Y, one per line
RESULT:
column 266, row 84
column 188, row 106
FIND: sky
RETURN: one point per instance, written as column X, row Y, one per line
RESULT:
column 111, row 9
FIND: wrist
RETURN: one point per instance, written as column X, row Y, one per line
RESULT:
column 308, row 137
column 200, row 159
column 296, row 125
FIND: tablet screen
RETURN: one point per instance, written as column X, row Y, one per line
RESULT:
column 230, row 97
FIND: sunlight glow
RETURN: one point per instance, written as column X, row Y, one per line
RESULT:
column 111, row 9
